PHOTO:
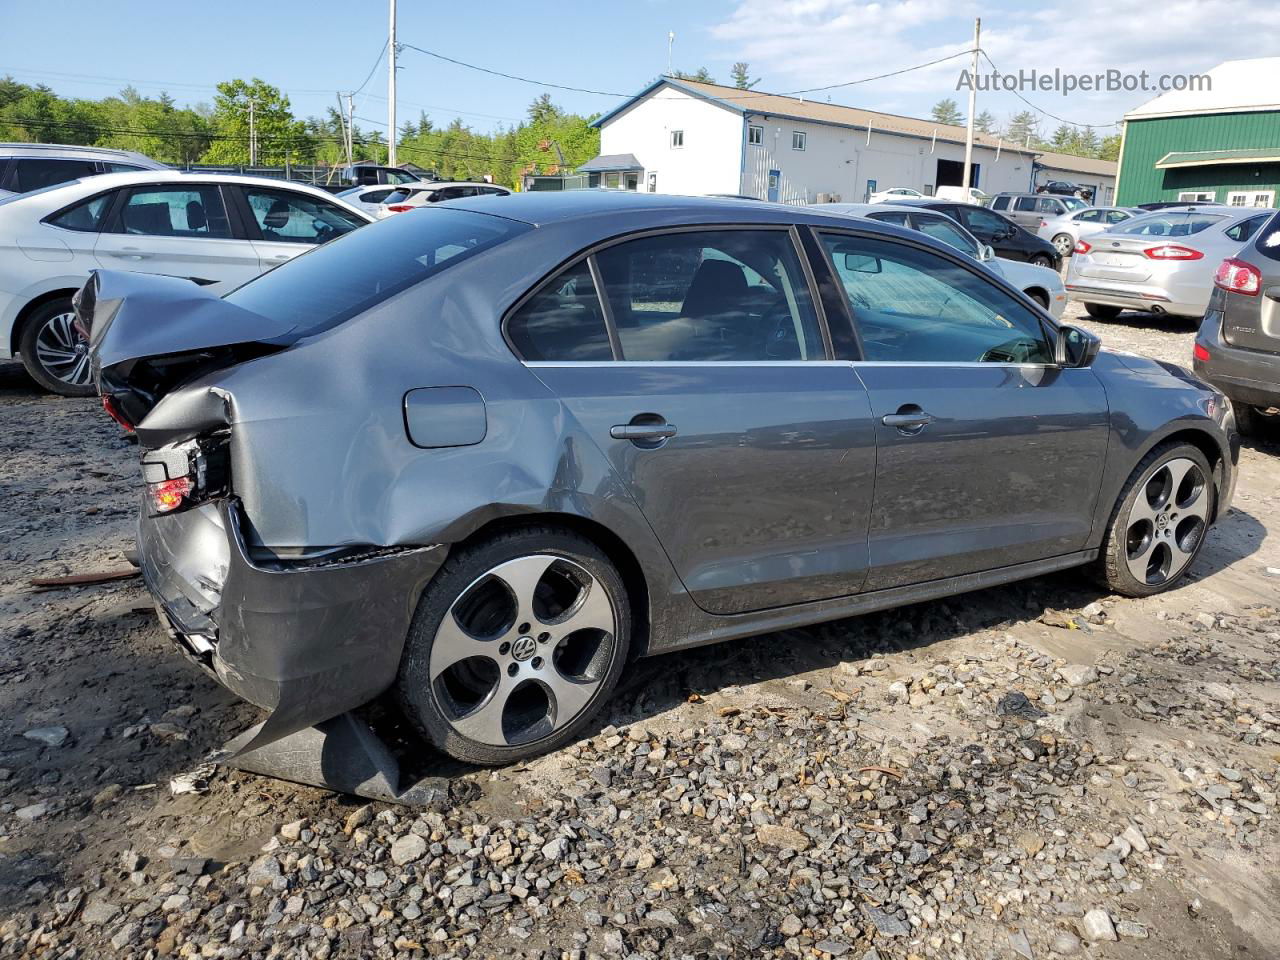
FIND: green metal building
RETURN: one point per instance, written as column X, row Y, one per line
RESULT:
column 1220, row 142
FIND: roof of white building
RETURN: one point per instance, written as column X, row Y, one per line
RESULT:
column 1234, row 86
column 758, row 103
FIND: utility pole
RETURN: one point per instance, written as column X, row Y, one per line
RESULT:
column 253, row 136
column 351, row 132
column 973, row 105
column 345, row 120
column 391, row 90
column 671, row 39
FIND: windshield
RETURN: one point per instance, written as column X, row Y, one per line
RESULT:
column 349, row 275
column 1169, row 224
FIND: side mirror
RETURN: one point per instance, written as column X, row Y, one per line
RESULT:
column 1074, row 347
column 862, row 263
column 986, row 253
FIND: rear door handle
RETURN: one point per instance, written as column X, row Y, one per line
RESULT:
column 127, row 255
column 643, row 431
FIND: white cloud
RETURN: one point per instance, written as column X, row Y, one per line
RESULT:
column 794, row 44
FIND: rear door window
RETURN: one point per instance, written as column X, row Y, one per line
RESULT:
column 1027, row 203
column 288, row 217
column 1088, row 216
column 1000, row 203
column 195, row 211
column 1268, row 242
column 707, row 296
column 890, row 217
column 562, row 322
column 32, row 173
column 941, row 228
column 327, row 285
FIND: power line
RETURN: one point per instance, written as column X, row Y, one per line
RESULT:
column 1052, row 116
column 743, row 96
column 381, row 51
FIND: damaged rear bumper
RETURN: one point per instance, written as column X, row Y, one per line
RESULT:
column 306, row 641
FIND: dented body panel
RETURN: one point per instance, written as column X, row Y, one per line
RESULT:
column 359, row 453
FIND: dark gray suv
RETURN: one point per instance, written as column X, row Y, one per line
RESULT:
column 484, row 454
column 1238, row 347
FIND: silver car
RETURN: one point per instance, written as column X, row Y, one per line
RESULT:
column 34, row 166
column 1162, row 262
column 1065, row 230
column 481, row 458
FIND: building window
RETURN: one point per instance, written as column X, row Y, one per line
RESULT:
column 1198, row 195
column 755, row 135
column 798, row 137
column 677, row 139
column 1250, row 198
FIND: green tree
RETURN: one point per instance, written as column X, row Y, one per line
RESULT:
column 984, row 122
column 946, row 111
column 703, row 75
column 1024, row 128
column 1109, row 149
column 281, row 137
column 741, row 73
column 543, row 110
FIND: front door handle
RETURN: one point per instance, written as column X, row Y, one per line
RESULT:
column 909, row 419
column 128, row 255
column 642, row 431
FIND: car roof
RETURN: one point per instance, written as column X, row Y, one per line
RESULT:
column 55, row 150
column 72, row 190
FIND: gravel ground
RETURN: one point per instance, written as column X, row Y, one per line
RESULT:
column 1032, row 771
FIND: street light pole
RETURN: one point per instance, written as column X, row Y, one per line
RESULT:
column 253, row 137
column 391, row 90
column 973, row 105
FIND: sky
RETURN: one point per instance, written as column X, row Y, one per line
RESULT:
column 91, row 48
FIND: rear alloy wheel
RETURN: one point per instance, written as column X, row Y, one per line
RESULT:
column 515, row 646
column 54, row 352
column 1064, row 244
column 1161, row 522
column 1101, row 311
column 1040, row 260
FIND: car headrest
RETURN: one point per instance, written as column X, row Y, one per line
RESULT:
column 277, row 216
column 196, row 219
column 718, row 285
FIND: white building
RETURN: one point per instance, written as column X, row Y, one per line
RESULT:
column 686, row 137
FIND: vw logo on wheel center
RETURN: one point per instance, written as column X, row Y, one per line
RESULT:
column 523, row 648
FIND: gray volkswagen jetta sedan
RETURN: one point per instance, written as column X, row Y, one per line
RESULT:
column 481, row 456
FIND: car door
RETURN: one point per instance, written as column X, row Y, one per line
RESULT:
column 283, row 223
column 994, row 230
column 702, row 373
column 176, row 229
column 1025, row 212
column 989, row 455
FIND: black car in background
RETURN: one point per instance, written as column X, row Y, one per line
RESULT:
column 1007, row 238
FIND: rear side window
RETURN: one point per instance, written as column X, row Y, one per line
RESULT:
column 940, row 228
column 717, row 295
column 562, row 321
column 1268, row 242
column 32, row 173
column 1170, row 224
column 341, row 279
column 85, row 215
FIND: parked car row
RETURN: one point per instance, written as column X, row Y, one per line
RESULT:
column 383, row 201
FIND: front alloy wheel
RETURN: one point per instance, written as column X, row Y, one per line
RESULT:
column 1064, row 244
column 512, row 650
column 1160, row 524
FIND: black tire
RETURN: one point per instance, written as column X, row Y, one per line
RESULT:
column 1040, row 260
column 42, row 322
column 431, row 707
column 1253, row 422
column 1040, row 297
column 1064, row 244
column 1113, row 567
column 1100, row 311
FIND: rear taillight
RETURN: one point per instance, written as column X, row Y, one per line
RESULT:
column 167, row 495
column 1200, row 353
column 1172, row 251
column 115, row 413
column 399, row 208
column 1083, row 247
column 1044, row 223
column 1238, row 276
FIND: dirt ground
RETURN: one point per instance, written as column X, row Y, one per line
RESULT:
column 1138, row 779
